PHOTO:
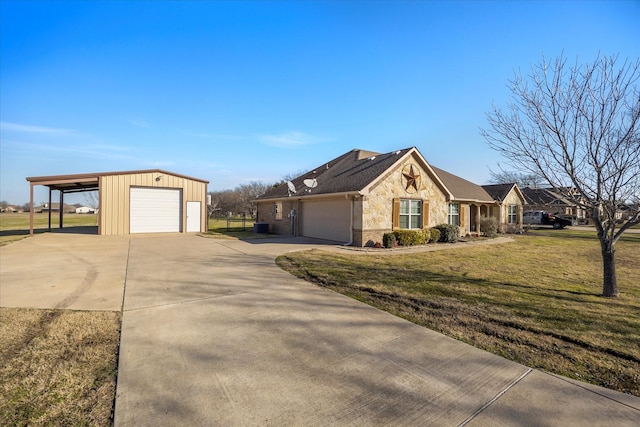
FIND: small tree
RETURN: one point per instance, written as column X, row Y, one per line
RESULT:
column 578, row 127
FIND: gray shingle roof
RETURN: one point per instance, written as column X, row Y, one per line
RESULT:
column 498, row 191
column 351, row 172
column 544, row 196
column 355, row 170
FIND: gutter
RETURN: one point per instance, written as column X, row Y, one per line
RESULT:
column 312, row 196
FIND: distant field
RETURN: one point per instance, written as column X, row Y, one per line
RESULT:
column 15, row 226
column 20, row 221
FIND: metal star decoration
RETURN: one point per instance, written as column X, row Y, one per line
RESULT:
column 412, row 179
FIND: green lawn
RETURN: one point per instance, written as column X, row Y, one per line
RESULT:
column 15, row 226
column 536, row 301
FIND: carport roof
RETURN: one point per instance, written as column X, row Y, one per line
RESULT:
column 89, row 181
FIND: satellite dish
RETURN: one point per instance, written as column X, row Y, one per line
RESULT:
column 311, row 183
column 291, row 187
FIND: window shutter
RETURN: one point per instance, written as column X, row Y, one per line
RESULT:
column 462, row 208
column 396, row 213
column 425, row 214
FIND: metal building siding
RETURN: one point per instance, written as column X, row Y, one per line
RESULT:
column 115, row 198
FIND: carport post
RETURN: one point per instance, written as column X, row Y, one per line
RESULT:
column 61, row 211
column 31, row 209
column 49, row 205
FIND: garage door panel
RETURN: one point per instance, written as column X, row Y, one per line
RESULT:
column 154, row 210
column 329, row 220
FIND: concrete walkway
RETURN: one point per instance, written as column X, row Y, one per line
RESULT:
column 214, row 333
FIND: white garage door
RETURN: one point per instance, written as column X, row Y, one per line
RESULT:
column 154, row 210
column 327, row 220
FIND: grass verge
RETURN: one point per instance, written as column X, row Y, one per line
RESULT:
column 535, row 301
column 57, row 367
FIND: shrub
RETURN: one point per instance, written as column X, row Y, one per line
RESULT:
column 409, row 237
column 426, row 236
column 434, row 235
column 511, row 228
column 489, row 226
column 388, row 240
column 449, row 233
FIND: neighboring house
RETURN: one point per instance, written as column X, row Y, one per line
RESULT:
column 359, row 196
column 10, row 209
column 511, row 203
column 550, row 200
column 54, row 207
column 85, row 210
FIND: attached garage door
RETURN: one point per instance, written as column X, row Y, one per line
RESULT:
column 154, row 210
column 328, row 219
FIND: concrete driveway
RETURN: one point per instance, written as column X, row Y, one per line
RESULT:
column 215, row 334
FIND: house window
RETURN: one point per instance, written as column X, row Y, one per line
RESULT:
column 512, row 214
column 278, row 210
column 410, row 214
column 454, row 213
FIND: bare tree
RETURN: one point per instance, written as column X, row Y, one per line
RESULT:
column 214, row 206
column 522, row 179
column 248, row 193
column 578, row 126
column 92, row 200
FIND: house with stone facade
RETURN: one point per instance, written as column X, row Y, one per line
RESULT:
column 553, row 201
column 510, row 201
column 360, row 195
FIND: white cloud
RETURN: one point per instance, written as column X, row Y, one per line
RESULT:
column 290, row 139
column 16, row 127
column 140, row 123
column 112, row 152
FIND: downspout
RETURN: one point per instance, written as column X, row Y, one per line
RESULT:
column 353, row 201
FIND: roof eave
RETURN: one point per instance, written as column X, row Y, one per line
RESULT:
column 311, row 196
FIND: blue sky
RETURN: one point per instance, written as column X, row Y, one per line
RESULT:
column 233, row 92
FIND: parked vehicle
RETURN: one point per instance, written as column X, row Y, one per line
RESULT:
column 544, row 218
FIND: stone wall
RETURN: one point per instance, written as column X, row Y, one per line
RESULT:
column 377, row 207
column 511, row 199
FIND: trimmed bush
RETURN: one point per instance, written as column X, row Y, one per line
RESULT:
column 434, row 235
column 409, row 237
column 426, row 236
column 449, row 233
column 388, row 240
column 489, row 226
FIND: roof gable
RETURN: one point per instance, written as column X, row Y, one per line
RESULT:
column 461, row 189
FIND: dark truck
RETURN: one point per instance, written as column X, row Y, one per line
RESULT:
column 544, row 218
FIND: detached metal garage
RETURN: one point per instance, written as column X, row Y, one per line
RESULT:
column 145, row 201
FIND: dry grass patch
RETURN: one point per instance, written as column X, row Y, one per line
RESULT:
column 535, row 301
column 58, row 367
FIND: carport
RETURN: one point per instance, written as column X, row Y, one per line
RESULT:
column 141, row 201
column 63, row 184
